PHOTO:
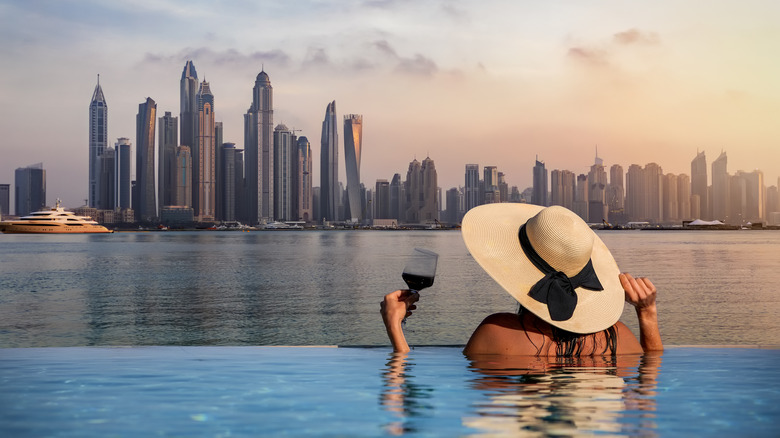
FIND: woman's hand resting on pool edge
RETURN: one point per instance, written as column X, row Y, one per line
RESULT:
column 641, row 293
column 394, row 308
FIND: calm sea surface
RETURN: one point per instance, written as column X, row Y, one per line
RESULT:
column 324, row 287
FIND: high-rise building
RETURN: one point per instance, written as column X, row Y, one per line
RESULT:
column 684, row 197
column 353, row 147
column 183, row 196
column 329, row 165
column 597, row 193
column 721, row 193
column 123, row 155
column 98, row 140
column 563, row 184
column 166, row 163
column 421, row 192
column 218, row 167
column 107, row 179
column 452, row 211
column 30, row 189
column 635, row 193
column 5, row 199
column 303, row 181
column 259, row 152
column 539, row 184
column 285, row 156
column 654, row 193
column 616, row 190
column 227, row 185
column 471, row 186
column 204, row 193
column 490, row 185
column 382, row 199
column 581, row 197
column 397, row 198
column 144, row 161
column 670, row 202
column 755, row 196
column 699, row 191
column 188, row 105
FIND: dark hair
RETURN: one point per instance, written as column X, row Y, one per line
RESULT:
column 568, row 344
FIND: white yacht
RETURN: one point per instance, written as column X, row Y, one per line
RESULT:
column 53, row 221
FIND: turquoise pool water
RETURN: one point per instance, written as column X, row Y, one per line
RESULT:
column 433, row 391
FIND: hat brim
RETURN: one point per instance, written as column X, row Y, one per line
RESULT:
column 491, row 236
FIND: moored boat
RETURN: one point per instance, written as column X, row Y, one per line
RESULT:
column 53, row 221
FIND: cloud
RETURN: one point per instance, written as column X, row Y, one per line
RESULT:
column 589, row 56
column 636, row 36
column 219, row 57
column 417, row 65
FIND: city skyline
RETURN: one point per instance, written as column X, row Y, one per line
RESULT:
column 651, row 84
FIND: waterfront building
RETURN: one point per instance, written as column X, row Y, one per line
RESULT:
column 597, row 193
column 397, row 198
column 353, row 147
column 303, row 181
column 503, row 188
column 146, row 205
column 471, row 186
column 203, row 162
column 188, row 107
column 635, row 198
column 98, row 140
column 451, row 214
column 329, row 166
column 563, row 184
column 122, row 158
column 259, row 152
column 5, row 200
column 285, row 155
column 752, row 205
column 183, row 196
column 539, row 196
column 684, row 197
column 699, row 187
column 166, row 159
column 670, row 202
column 421, row 192
column 616, row 192
column 30, row 189
column 490, row 185
column 107, row 180
column 227, row 185
column 240, row 184
column 382, row 199
column 218, row 167
column 581, row 197
column 721, row 192
column 654, row 193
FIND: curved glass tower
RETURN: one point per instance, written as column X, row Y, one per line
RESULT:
column 353, row 139
column 329, row 166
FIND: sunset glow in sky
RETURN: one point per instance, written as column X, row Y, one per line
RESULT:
column 489, row 82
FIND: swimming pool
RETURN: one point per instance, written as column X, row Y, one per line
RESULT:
column 432, row 391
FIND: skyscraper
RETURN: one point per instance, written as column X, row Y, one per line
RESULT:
column 654, row 188
column 303, row 181
column 183, row 176
column 490, row 183
column 188, row 105
column 204, row 192
column 721, row 192
column 397, row 198
column 98, row 140
column 30, row 189
column 5, row 199
column 382, row 199
column 122, row 158
column 563, row 185
column 107, row 179
column 353, row 143
column 421, row 192
column 144, row 161
column 597, row 193
column 700, row 200
column 285, row 154
column 329, row 165
column 259, row 152
column 540, row 184
column 228, row 184
column 472, row 186
column 166, row 164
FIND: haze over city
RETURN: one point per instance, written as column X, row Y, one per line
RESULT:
column 492, row 82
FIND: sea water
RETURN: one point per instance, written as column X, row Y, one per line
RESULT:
column 324, row 287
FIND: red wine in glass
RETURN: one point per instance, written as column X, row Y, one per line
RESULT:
column 420, row 269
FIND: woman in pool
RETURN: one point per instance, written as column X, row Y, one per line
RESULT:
column 569, row 288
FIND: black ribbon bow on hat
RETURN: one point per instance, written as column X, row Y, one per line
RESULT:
column 556, row 289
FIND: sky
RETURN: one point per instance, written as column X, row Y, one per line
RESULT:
column 491, row 82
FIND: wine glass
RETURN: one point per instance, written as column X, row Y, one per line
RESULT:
column 420, row 269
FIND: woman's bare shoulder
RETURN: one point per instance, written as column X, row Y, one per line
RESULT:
column 501, row 333
column 627, row 343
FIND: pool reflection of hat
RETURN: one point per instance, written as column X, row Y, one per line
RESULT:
column 550, row 261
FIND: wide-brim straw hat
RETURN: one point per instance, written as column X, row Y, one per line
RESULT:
column 563, row 240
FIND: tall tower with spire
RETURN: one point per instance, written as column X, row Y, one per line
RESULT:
column 188, row 117
column 259, row 152
column 206, row 188
column 98, row 140
column 329, row 165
